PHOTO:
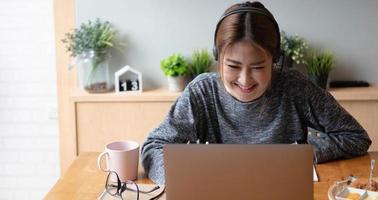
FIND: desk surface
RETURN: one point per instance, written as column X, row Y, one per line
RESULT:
column 84, row 181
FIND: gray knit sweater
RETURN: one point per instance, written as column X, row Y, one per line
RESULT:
column 283, row 114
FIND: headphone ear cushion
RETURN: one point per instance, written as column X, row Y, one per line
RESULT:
column 215, row 53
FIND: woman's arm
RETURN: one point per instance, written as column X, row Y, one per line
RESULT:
column 179, row 126
column 339, row 134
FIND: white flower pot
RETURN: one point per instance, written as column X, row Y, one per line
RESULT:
column 176, row 83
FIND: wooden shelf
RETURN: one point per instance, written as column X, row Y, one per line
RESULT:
column 356, row 93
column 151, row 95
column 163, row 95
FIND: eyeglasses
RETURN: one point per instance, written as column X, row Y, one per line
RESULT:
column 115, row 187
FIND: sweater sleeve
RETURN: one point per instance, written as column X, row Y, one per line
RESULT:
column 178, row 127
column 338, row 135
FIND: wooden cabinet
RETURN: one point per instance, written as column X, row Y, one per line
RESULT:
column 98, row 119
column 99, row 123
column 103, row 118
column 362, row 104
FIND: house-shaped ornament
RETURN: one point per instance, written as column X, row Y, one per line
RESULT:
column 128, row 79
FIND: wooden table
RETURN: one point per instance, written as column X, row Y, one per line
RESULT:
column 84, row 181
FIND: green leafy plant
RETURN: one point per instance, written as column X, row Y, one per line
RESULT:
column 319, row 63
column 201, row 62
column 92, row 39
column 174, row 65
column 97, row 36
column 294, row 47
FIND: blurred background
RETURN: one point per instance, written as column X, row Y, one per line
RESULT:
column 29, row 158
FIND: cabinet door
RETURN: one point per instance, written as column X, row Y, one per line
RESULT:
column 366, row 113
column 99, row 123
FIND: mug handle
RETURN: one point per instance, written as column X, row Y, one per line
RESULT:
column 99, row 158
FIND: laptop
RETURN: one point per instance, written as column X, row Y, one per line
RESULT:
column 238, row 171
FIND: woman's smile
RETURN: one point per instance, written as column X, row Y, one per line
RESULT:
column 246, row 89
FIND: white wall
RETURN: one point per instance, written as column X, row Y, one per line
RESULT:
column 29, row 161
column 155, row 29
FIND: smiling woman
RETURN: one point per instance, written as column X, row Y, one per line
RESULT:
column 248, row 101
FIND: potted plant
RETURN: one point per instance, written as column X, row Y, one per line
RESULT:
column 175, row 67
column 89, row 46
column 319, row 64
column 294, row 48
column 201, row 62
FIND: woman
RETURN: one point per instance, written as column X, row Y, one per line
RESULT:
column 249, row 101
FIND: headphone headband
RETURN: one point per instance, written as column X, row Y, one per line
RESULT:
column 246, row 7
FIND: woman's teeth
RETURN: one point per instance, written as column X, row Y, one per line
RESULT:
column 246, row 88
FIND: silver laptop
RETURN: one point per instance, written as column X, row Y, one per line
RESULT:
column 238, row 171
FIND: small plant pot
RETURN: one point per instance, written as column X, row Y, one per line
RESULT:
column 320, row 80
column 176, row 83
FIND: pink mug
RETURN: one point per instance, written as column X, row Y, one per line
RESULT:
column 121, row 157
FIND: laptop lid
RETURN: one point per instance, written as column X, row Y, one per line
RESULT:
column 238, row 171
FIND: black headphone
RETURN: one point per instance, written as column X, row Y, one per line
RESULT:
column 248, row 7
